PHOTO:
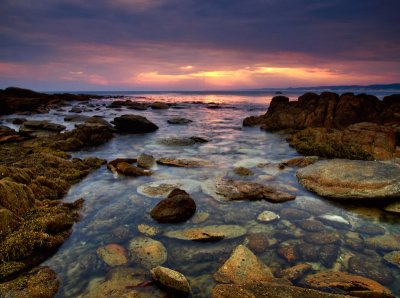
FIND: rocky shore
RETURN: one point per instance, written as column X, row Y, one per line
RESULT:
column 276, row 242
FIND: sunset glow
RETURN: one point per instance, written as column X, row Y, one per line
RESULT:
column 164, row 44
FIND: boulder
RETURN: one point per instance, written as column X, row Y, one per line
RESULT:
column 342, row 281
column 147, row 252
column 134, row 124
column 243, row 267
column 365, row 141
column 145, row 161
column 177, row 207
column 126, row 169
column 40, row 128
column 227, row 189
column 352, row 179
column 159, row 106
column 208, row 233
column 171, row 279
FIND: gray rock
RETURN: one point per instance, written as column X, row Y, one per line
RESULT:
column 145, row 161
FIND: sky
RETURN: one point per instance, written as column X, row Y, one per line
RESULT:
column 197, row 44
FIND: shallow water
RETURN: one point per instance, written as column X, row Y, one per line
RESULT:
column 114, row 208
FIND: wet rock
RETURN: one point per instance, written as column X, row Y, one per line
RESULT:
column 267, row 216
column 393, row 207
column 179, row 121
column 16, row 197
column 145, row 161
column 160, row 189
column 18, row 121
column 184, row 162
column 328, row 255
column 311, row 225
column 268, row 290
column 224, row 189
column 98, row 121
column 8, row 222
column 322, row 238
column 312, row 205
column 8, row 135
column 208, row 233
column 370, row 267
column 352, row 179
column 242, row 171
column 37, row 128
column 126, row 169
column 75, row 110
column 300, row 162
column 171, row 279
column 294, row 214
column 384, row 242
column 342, row 281
column 371, row 229
column 177, row 207
column 147, row 230
column 124, row 282
column 147, row 252
column 181, row 141
column 307, row 252
column 134, row 124
column 335, row 221
column 39, row 282
column 243, row 267
column 393, row 258
column 112, row 165
column 366, row 141
column 288, row 253
column 200, row 217
column 296, row 272
column 113, row 255
column 76, row 118
column 159, row 106
column 257, row 242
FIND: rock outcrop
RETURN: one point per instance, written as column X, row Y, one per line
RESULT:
column 352, row 179
column 134, row 124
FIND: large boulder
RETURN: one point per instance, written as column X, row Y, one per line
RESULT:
column 352, row 179
column 134, row 124
column 367, row 141
column 177, row 207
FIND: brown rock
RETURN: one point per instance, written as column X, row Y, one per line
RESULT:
column 257, row 242
column 343, row 281
column 295, row 272
column 294, row 214
column 184, row 162
column 126, row 169
column 113, row 255
column 323, row 237
column 171, row 279
column 243, row 267
column 177, row 207
column 311, row 225
column 268, row 290
column 288, row 253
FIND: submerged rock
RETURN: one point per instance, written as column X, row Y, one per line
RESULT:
column 257, row 242
column 267, row 216
column 177, row 207
column 160, row 189
column 296, row 272
column 323, row 237
column 242, row 171
column 393, row 207
column 370, row 267
column 268, row 290
column 184, row 162
column 179, row 121
column 393, row 258
column 147, row 252
column 311, row 225
column 147, row 230
column 243, row 267
column 113, row 255
column 352, row 179
column 181, row 141
column 171, row 279
column 385, row 242
column 134, row 124
column 294, row 214
column 335, row 221
column 208, row 233
column 344, row 282
column 224, row 189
